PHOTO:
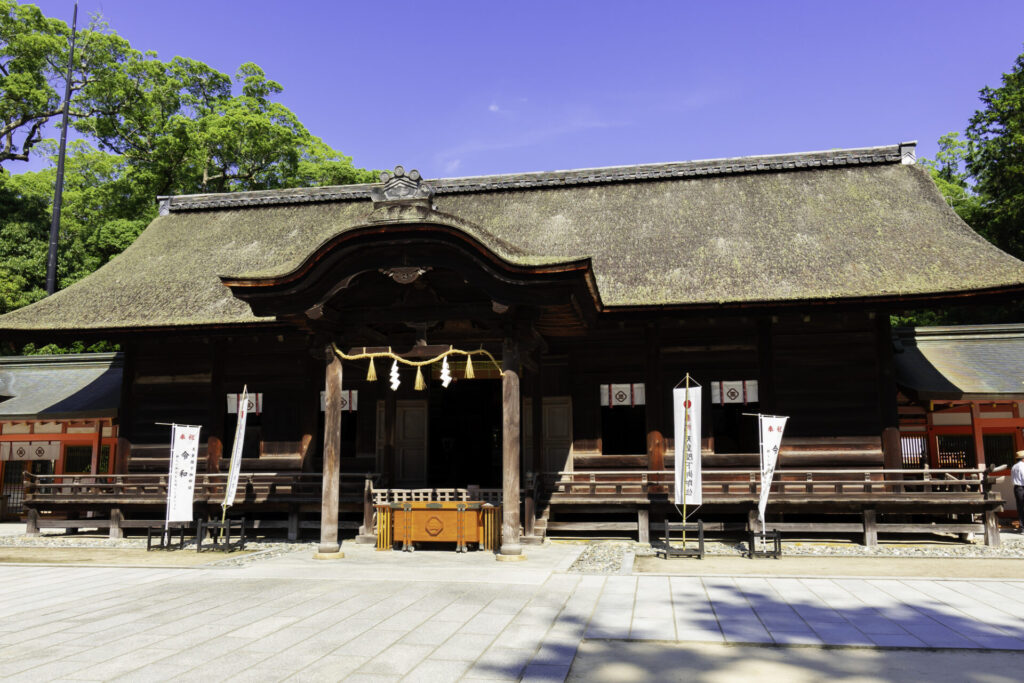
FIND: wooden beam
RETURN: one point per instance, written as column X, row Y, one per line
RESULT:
column 97, row 442
column 654, row 410
column 870, row 528
column 887, row 408
column 765, row 366
column 329, row 545
column 510, row 445
column 977, row 434
column 536, row 446
column 310, row 412
column 215, row 408
column 643, row 524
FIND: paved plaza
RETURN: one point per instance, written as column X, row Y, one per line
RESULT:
column 436, row 616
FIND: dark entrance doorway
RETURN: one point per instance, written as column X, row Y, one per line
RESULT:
column 465, row 434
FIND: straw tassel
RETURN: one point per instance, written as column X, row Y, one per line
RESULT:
column 420, row 385
column 371, row 373
column 469, row 367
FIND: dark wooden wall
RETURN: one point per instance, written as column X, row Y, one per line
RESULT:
column 824, row 372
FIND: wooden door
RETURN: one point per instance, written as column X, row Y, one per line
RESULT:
column 557, row 433
column 411, row 443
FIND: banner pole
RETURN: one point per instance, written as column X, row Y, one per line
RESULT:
column 166, row 539
column 686, row 447
column 760, row 452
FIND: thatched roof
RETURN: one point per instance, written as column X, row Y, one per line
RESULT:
column 822, row 226
column 979, row 362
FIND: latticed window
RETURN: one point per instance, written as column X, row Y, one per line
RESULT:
column 956, row 451
column 915, row 450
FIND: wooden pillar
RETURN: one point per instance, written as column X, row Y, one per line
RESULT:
column 367, row 533
column 535, row 465
column 537, row 418
column 329, row 547
column 1018, row 433
column 215, row 409
column 977, row 434
column 308, row 418
column 97, row 442
column 655, row 409
column 870, row 528
column 510, row 444
column 932, row 436
column 389, row 467
column 293, row 523
column 765, row 367
column 892, row 453
column 992, row 529
column 116, row 517
column 122, row 455
column 125, row 410
column 753, row 523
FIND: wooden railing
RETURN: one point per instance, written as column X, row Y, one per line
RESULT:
column 385, row 496
column 790, row 483
column 144, row 488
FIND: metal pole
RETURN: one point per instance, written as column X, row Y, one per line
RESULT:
column 51, row 260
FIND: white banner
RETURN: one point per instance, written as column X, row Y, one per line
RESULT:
column 236, row 448
column 771, row 438
column 686, row 407
column 31, row 450
column 181, row 481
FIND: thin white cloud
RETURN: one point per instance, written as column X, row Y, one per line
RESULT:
column 524, row 138
column 493, row 107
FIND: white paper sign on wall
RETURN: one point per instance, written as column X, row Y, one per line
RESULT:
column 613, row 395
column 255, row 403
column 349, row 400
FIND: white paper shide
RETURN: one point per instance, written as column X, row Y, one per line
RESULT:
column 181, row 482
column 686, row 405
column 771, row 439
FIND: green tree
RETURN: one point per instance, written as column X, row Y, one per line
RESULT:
column 33, row 71
column 160, row 128
column 995, row 160
column 183, row 131
column 949, row 172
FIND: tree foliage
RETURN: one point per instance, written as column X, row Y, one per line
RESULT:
column 33, row 73
column 148, row 128
column 995, row 159
column 981, row 175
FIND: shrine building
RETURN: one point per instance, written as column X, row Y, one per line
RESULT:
column 565, row 306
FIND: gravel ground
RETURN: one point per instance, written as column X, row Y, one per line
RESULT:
column 606, row 557
column 58, row 539
column 599, row 557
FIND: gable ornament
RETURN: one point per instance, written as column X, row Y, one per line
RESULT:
column 397, row 186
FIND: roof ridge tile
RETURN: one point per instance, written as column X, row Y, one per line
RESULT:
column 609, row 174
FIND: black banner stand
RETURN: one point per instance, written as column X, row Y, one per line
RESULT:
column 668, row 550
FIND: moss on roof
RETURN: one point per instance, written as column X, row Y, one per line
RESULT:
column 835, row 232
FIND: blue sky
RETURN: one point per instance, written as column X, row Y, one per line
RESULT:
column 468, row 88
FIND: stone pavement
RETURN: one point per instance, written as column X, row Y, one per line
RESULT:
column 440, row 616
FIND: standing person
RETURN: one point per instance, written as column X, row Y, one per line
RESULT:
column 1018, row 489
